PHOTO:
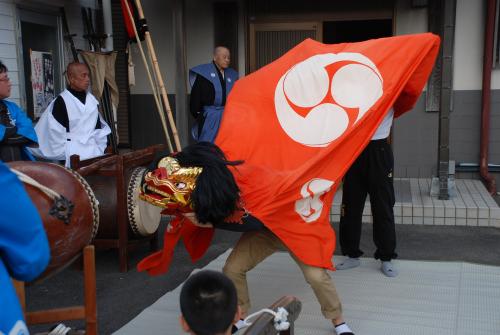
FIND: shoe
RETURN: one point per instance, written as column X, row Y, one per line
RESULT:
column 389, row 269
column 348, row 263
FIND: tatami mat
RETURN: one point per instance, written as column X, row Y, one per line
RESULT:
column 426, row 298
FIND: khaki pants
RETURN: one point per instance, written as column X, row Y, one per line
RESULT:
column 253, row 248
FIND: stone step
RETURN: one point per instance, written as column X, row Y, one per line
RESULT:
column 472, row 205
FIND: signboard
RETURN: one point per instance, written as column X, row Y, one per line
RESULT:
column 42, row 80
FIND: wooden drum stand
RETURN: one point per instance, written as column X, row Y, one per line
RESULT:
column 116, row 166
column 87, row 312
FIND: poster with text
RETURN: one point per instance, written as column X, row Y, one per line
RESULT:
column 42, row 80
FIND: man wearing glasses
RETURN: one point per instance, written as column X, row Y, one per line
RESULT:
column 16, row 128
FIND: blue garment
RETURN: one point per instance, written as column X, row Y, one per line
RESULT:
column 24, row 249
column 24, row 126
column 212, row 113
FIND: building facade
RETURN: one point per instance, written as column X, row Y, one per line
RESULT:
column 184, row 33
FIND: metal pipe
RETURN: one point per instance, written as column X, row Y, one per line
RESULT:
column 108, row 24
column 474, row 167
column 488, row 179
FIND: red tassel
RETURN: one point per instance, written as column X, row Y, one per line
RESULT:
column 159, row 262
column 196, row 239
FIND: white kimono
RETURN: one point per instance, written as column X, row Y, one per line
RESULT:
column 82, row 139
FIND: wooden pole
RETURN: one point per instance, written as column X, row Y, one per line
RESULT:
column 153, row 87
column 156, row 67
column 19, row 286
column 90, row 290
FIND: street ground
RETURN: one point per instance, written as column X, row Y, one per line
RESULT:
column 121, row 296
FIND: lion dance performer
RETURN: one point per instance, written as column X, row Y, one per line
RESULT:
column 291, row 131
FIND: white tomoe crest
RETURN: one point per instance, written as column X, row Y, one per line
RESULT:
column 311, row 205
column 357, row 84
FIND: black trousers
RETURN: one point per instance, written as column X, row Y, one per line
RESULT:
column 371, row 173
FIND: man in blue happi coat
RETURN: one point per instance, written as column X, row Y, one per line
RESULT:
column 16, row 128
column 24, row 249
column 210, row 86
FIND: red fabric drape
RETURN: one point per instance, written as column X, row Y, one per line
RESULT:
column 301, row 121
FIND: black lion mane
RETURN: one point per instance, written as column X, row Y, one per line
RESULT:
column 216, row 195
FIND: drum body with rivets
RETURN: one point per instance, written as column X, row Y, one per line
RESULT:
column 143, row 218
column 66, row 239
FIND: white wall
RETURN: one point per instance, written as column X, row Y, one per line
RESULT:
column 200, row 33
column 8, row 45
column 469, row 47
column 199, row 27
column 199, row 36
column 159, row 18
column 416, row 129
column 75, row 24
column 469, row 41
column 241, row 39
column 10, row 51
column 410, row 20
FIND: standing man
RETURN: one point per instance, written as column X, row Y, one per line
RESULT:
column 16, row 128
column 210, row 86
column 371, row 173
column 72, row 124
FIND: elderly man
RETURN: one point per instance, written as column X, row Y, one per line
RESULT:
column 71, row 124
column 16, row 128
column 210, row 86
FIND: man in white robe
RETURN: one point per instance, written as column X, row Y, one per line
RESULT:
column 72, row 124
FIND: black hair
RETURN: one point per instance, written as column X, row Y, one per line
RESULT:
column 216, row 195
column 3, row 68
column 208, row 302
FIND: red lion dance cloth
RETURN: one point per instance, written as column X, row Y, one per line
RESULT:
column 298, row 124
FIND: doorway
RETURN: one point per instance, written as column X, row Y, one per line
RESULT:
column 355, row 31
column 269, row 41
column 42, row 59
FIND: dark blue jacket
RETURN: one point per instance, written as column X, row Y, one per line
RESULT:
column 24, row 126
column 212, row 113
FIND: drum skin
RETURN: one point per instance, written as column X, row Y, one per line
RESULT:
column 66, row 240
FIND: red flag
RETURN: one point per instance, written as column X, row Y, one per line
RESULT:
column 140, row 25
column 300, row 122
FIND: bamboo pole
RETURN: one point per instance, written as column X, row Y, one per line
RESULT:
column 156, row 67
column 153, row 86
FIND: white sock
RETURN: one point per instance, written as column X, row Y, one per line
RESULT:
column 240, row 324
column 342, row 329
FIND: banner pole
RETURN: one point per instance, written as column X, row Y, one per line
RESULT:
column 153, row 88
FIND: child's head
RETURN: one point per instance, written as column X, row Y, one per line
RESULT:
column 209, row 303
